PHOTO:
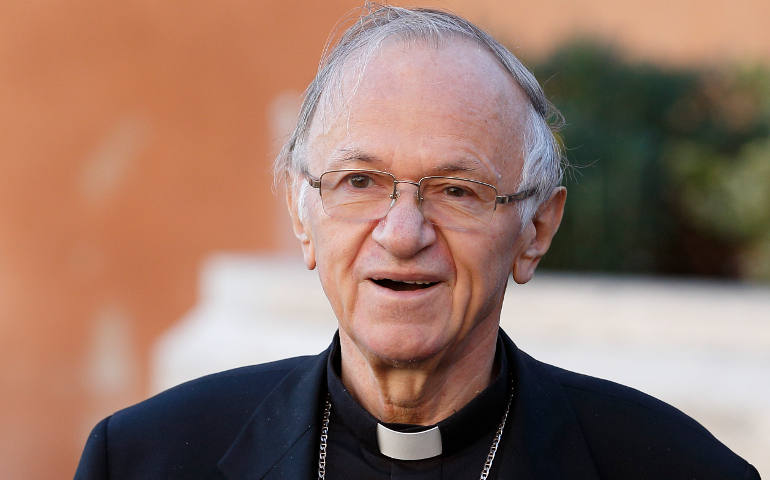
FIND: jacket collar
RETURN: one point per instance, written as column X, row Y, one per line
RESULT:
column 547, row 440
column 280, row 440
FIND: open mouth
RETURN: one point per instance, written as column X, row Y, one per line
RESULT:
column 403, row 286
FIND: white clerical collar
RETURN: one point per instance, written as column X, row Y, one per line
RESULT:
column 409, row 445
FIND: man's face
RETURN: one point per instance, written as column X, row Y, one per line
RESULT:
column 417, row 111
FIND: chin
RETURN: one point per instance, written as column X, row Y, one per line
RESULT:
column 400, row 345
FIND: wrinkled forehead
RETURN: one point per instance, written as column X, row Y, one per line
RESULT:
column 456, row 73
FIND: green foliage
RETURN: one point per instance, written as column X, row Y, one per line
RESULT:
column 727, row 194
column 671, row 168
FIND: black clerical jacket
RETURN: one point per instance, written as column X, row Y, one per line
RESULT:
column 262, row 422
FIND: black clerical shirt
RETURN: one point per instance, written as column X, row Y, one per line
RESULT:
column 466, row 435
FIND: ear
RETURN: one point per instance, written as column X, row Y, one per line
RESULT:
column 538, row 235
column 301, row 230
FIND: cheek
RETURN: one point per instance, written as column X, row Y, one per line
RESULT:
column 493, row 272
column 337, row 247
column 483, row 268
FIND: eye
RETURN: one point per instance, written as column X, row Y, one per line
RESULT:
column 360, row 181
column 456, row 191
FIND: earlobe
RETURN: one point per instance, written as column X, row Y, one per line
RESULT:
column 308, row 254
column 526, row 261
column 538, row 234
column 301, row 231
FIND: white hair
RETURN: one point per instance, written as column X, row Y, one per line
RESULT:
column 543, row 157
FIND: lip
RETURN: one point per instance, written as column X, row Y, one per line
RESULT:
column 403, row 295
column 406, row 277
column 409, row 277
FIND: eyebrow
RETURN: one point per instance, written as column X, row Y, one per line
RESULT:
column 346, row 156
column 458, row 166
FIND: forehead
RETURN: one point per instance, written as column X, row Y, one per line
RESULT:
column 419, row 107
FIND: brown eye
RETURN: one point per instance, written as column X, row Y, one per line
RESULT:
column 455, row 191
column 359, row 181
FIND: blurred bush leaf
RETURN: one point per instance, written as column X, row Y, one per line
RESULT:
column 671, row 166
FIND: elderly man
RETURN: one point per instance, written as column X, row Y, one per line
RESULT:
column 421, row 175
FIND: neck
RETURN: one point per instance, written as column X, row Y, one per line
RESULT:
column 421, row 393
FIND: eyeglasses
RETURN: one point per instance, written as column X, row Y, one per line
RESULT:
column 452, row 202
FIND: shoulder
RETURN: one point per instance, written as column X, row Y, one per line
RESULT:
column 216, row 397
column 233, row 390
column 184, row 429
column 630, row 431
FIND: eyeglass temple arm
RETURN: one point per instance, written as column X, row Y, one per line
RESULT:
column 314, row 182
column 514, row 197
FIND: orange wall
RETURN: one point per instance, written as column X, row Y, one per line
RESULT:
column 135, row 139
column 133, row 142
column 670, row 31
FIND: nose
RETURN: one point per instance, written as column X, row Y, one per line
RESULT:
column 403, row 231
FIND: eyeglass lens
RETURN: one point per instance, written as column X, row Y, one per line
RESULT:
column 367, row 195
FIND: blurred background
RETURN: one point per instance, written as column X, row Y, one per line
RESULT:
column 141, row 243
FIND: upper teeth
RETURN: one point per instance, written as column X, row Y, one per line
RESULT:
column 417, row 283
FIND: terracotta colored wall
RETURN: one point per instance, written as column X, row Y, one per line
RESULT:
column 135, row 139
column 670, row 31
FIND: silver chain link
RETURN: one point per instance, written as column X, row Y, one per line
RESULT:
column 325, row 437
column 496, row 441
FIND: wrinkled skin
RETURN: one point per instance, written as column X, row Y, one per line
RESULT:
column 422, row 110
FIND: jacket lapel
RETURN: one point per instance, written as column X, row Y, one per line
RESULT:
column 280, row 439
column 547, row 440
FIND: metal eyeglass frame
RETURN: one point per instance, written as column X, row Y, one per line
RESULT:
column 499, row 199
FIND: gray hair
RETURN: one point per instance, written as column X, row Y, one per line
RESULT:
column 543, row 158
